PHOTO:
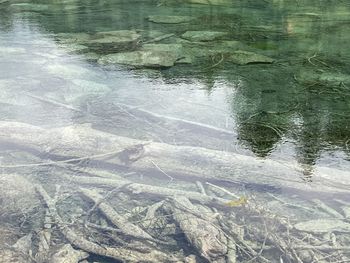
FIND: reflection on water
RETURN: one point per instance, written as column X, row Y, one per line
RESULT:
column 136, row 99
column 269, row 105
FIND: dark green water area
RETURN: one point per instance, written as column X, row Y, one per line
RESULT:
column 174, row 131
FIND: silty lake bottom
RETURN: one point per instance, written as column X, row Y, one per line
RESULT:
column 174, row 131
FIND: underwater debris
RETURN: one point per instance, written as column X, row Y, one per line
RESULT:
column 207, row 238
column 118, row 220
column 169, row 19
column 323, row 226
column 218, row 234
column 241, row 201
column 67, row 254
column 77, row 240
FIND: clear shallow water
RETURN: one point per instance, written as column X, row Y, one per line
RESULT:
column 294, row 111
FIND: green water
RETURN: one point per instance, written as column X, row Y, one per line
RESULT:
column 290, row 106
column 254, row 101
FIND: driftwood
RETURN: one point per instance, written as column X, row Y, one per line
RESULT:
column 67, row 254
column 82, row 141
column 160, row 38
column 11, row 255
column 151, row 211
column 170, row 192
column 137, row 188
column 24, row 244
column 52, row 102
column 44, row 240
column 120, row 254
column 327, row 209
column 212, row 231
column 118, row 220
column 209, row 240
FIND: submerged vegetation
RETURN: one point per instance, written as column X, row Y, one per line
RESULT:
column 174, row 131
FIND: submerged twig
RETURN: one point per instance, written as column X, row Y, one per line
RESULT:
column 291, row 204
column 218, row 63
column 118, row 220
column 160, row 38
column 327, row 209
column 169, row 176
column 201, row 188
column 223, row 189
column 55, row 103
column 97, row 203
column 96, row 156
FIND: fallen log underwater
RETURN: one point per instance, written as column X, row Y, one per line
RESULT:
column 85, row 143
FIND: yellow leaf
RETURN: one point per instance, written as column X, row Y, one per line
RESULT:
column 241, row 201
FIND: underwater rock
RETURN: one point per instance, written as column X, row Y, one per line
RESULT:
column 202, row 36
column 169, row 19
column 72, row 37
column 323, row 226
column 146, row 58
column 184, row 60
column 177, row 49
column 103, row 42
column 229, row 46
column 75, row 48
column 151, row 34
column 113, row 41
column 67, row 254
column 241, row 57
column 207, row 49
column 91, row 56
column 328, row 79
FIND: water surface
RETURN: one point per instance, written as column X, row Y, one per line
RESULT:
column 290, row 117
